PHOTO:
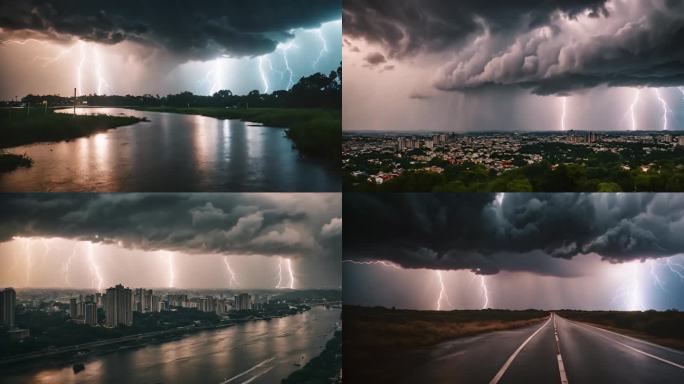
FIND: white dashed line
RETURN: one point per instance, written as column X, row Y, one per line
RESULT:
column 561, row 367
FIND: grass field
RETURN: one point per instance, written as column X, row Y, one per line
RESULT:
column 19, row 128
column 665, row 328
column 315, row 132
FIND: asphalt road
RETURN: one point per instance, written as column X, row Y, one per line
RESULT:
column 554, row 351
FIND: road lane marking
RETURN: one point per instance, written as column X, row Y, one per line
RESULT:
column 561, row 366
column 635, row 349
column 508, row 362
column 633, row 338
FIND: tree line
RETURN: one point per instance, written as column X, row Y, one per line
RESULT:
column 314, row 91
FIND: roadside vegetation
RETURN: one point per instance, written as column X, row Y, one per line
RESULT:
column 664, row 328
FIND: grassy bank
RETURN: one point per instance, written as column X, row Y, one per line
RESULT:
column 323, row 368
column 315, row 132
column 381, row 344
column 664, row 328
column 19, row 128
column 9, row 162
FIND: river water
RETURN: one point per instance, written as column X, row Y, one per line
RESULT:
column 172, row 152
column 254, row 352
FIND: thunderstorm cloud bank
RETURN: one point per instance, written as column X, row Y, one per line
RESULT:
column 549, row 47
column 197, row 30
column 301, row 226
column 521, row 232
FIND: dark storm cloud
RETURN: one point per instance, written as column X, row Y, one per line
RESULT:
column 307, row 226
column 528, row 44
column 200, row 29
column 471, row 231
column 375, row 58
column 412, row 26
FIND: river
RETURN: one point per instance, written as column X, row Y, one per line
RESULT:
column 255, row 352
column 172, row 152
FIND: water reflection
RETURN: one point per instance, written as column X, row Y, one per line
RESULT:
column 210, row 356
column 172, row 152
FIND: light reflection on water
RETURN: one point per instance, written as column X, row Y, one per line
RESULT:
column 207, row 357
column 172, row 152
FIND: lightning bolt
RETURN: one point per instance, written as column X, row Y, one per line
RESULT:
column 233, row 280
column 264, row 79
column 289, row 269
column 280, row 274
column 172, row 272
column 101, row 82
column 374, row 262
column 79, row 69
column 666, row 108
column 284, row 48
column 94, row 268
column 280, row 284
column 564, row 103
column 632, row 109
column 324, row 47
column 442, row 292
column 485, row 292
column 29, row 259
column 217, row 74
column 67, row 266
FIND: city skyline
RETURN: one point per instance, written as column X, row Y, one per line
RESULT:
column 601, row 65
column 514, row 251
column 234, row 241
column 130, row 48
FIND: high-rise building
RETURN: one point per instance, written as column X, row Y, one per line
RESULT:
column 73, row 310
column 243, row 302
column 8, row 304
column 147, row 300
column 118, row 304
column 155, row 303
column 90, row 313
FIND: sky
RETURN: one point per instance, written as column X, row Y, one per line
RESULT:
column 231, row 241
column 518, row 65
column 158, row 47
column 517, row 251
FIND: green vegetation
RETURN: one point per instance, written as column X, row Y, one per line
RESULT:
column 10, row 162
column 315, row 132
column 663, row 176
column 52, row 329
column 665, row 328
column 377, row 341
column 322, row 368
column 18, row 127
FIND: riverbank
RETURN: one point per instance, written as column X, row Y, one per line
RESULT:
column 324, row 368
column 9, row 162
column 79, row 352
column 17, row 127
column 315, row 132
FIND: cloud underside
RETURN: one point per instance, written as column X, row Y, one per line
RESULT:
column 199, row 30
column 551, row 48
column 528, row 232
column 299, row 226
